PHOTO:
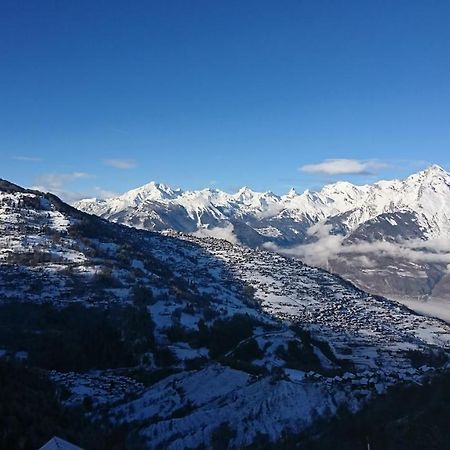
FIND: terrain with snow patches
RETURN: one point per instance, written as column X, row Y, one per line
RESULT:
column 183, row 339
column 390, row 238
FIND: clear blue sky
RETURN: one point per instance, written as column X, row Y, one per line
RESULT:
column 107, row 95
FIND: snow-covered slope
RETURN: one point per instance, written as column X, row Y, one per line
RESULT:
column 225, row 339
column 319, row 227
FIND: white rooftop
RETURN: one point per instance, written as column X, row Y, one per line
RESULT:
column 56, row 443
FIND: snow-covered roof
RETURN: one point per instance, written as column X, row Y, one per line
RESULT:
column 56, row 443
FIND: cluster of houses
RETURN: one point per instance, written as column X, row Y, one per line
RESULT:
column 371, row 332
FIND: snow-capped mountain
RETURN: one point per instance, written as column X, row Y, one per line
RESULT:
column 394, row 234
column 180, row 340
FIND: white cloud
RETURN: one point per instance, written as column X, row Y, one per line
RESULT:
column 104, row 193
column 327, row 247
column 26, row 158
column 316, row 253
column 58, row 183
column 51, row 181
column 120, row 163
column 343, row 167
column 226, row 233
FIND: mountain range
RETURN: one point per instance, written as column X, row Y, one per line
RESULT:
column 390, row 238
column 131, row 339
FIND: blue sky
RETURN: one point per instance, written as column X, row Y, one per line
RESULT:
column 102, row 96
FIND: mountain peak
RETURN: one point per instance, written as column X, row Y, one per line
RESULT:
column 161, row 189
column 292, row 192
column 245, row 192
column 435, row 169
column 152, row 191
column 158, row 186
column 431, row 174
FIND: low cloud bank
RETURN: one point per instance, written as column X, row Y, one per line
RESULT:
column 327, row 247
column 226, row 233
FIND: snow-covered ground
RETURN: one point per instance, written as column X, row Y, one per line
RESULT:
column 358, row 344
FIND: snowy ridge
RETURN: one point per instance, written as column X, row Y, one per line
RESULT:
column 426, row 194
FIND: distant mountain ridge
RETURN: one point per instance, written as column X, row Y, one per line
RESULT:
column 320, row 227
